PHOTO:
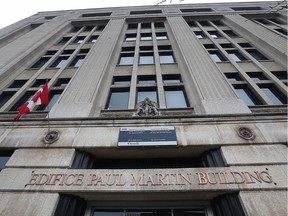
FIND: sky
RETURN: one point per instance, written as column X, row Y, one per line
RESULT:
column 14, row 10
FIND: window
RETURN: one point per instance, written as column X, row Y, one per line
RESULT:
column 146, row 93
column 60, row 62
column 246, row 95
column 132, row 26
column 175, row 98
column 130, row 37
column 4, row 97
column 64, row 40
column 88, row 28
column 39, row 82
column 236, row 56
column 147, row 79
column 84, row 51
column 77, row 62
column 159, row 25
column 273, row 94
column 121, row 80
column 26, row 97
column 151, row 212
column 126, row 59
column 67, row 52
column 282, row 31
column 118, row 99
column 4, row 157
column 53, row 98
column 62, row 82
column 146, row 58
column 195, row 10
column 93, row 39
column 166, row 58
column 96, row 14
column 257, row 76
column 40, row 62
column 161, row 36
column 281, row 75
column 230, row 33
column 100, row 27
column 51, row 52
column 245, row 45
column 145, row 25
column 17, row 83
column 145, row 12
column 204, row 23
column 146, row 36
column 216, row 56
column 214, row 34
column 79, row 40
column 257, row 55
column 209, row 46
column 171, row 79
column 226, row 45
column 245, row 8
column 233, row 77
column 199, row 34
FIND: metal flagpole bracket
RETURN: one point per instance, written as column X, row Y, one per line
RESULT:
column 51, row 137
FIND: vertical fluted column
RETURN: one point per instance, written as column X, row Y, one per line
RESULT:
column 78, row 99
column 217, row 96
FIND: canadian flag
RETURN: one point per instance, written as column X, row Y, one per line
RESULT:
column 39, row 98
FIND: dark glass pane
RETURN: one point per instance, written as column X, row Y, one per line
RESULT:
column 121, row 80
column 246, row 95
column 4, row 157
column 150, row 212
column 216, row 56
column 152, row 95
column 126, row 60
column 62, row 82
column 118, row 100
column 26, row 97
column 77, row 62
column 189, row 212
column 166, row 58
column 4, row 97
column 108, row 213
column 236, row 56
column 257, row 76
column 59, row 62
column 146, row 59
column 40, row 62
column 171, row 79
column 274, row 95
column 53, row 98
column 257, row 55
column 282, row 75
column 233, row 77
column 17, row 83
column 146, row 79
column 175, row 99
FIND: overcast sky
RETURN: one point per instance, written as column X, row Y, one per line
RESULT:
column 12, row 11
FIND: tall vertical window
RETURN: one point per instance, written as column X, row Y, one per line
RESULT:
column 246, row 95
column 216, row 56
column 77, row 62
column 60, row 62
column 40, row 62
column 53, row 98
column 175, row 98
column 274, row 95
column 166, row 58
column 126, row 59
column 118, row 99
column 146, row 58
column 146, row 93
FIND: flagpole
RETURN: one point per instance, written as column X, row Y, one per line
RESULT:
column 48, row 118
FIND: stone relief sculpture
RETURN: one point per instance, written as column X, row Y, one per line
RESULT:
column 147, row 108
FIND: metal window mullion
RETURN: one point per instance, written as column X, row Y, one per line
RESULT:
column 133, row 85
column 159, row 80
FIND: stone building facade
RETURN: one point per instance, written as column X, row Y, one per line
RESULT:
column 156, row 110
